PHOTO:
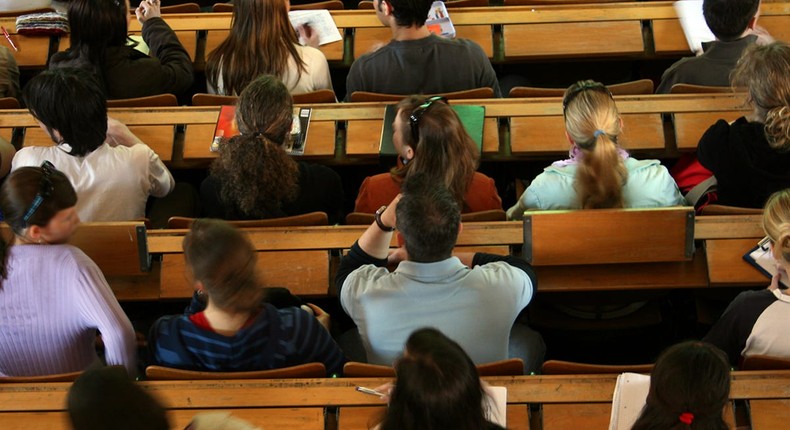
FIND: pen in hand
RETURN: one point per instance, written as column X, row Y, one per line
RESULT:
column 8, row 37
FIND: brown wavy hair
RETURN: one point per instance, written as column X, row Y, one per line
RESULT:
column 261, row 41
column 445, row 151
column 256, row 174
column 764, row 71
column 601, row 173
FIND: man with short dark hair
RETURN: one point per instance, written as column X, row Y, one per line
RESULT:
column 472, row 298
column 417, row 62
column 734, row 23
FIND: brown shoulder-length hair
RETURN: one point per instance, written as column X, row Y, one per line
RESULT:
column 444, row 152
column 225, row 262
column 593, row 123
column 261, row 41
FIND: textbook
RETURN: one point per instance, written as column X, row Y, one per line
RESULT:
column 760, row 257
column 472, row 117
column 693, row 23
column 630, row 395
column 439, row 22
column 294, row 144
column 319, row 20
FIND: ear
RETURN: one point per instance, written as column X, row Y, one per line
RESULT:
column 568, row 136
column 460, row 227
column 386, row 7
column 752, row 22
column 408, row 152
column 198, row 286
column 399, row 238
column 620, row 120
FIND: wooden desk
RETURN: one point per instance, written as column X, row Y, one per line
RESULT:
column 34, row 51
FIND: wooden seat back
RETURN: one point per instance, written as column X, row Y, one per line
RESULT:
column 203, row 99
column 511, row 366
column 765, row 362
column 560, row 367
column 698, row 89
column 179, row 8
column 475, row 93
column 307, row 370
column 716, row 209
column 360, row 218
column 158, row 100
column 642, row 86
column 604, row 236
column 311, row 218
column 9, row 103
column 118, row 248
column 58, row 377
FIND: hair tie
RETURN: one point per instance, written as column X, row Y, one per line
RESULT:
column 598, row 133
column 686, row 418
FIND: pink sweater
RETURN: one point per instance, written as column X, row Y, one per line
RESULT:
column 54, row 300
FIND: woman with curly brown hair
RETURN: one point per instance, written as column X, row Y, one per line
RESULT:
column 254, row 177
column 749, row 157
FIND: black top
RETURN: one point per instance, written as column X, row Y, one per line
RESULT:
column 320, row 189
column 747, row 169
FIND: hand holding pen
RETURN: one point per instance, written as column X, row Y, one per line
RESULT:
column 307, row 36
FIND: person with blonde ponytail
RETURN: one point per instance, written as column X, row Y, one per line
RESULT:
column 751, row 323
column 599, row 173
column 750, row 156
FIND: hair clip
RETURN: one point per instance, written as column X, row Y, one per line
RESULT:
column 686, row 418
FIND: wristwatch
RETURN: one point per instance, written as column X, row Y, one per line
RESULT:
column 381, row 225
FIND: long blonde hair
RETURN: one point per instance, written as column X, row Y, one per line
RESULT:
column 776, row 221
column 765, row 71
column 593, row 123
column 261, row 41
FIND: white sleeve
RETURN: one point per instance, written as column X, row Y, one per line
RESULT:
column 161, row 180
column 99, row 308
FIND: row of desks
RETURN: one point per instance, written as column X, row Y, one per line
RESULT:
column 659, row 125
column 509, row 33
column 303, row 258
column 567, row 402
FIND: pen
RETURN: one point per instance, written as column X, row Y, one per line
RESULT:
column 7, row 36
column 370, row 391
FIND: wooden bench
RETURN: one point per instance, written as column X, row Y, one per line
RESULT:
column 726, row 239
column 568, row 401
column 34, row 51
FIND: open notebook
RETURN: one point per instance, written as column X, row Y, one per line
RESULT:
column 630, row 394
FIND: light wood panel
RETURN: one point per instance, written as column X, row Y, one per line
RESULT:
column 726, row 266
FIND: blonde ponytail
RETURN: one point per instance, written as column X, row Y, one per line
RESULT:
column 776, row 221
column 600, row 175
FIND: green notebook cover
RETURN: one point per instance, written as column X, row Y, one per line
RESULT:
column 472, row 117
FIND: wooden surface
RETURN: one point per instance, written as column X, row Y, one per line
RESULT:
column 726, row 266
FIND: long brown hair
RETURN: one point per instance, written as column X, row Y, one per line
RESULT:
column 763, row 70
column 593, row 123
column 16, row 200
column 445, row 152
column 261, row 41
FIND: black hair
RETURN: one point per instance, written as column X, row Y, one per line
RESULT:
column 106, row 398
column 16, row 198
column 437, row 387
column 410, row 12
column 428, row 216
column 728, row 19
column 70, row 101
column 689, row 388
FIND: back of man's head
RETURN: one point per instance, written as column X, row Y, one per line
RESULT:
column 72, row 102
column 428, row 218
column 728, row 19
column 409, row 13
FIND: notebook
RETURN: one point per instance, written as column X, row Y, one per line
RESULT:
column 630, row 395
column 761, row 258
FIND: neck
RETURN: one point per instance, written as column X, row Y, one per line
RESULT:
column 22, row 240
column 410, row 33
column 225, row 322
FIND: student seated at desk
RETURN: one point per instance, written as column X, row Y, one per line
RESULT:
column 113, row 171
column 436, row 387
column 228, row 327
column 254, row 178
column 750, row 156
column 689, row 389
column 53, row 297
column 751, row 323
column 430, row 139
column 98, row 43
column 734, row 23
column 599, row 173
column 262, row 41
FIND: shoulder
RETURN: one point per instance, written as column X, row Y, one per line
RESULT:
column 317, row 170
column 310, row 54
column 365, row 278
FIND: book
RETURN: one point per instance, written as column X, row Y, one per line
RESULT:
column 439, row 21
column 630, row 395
column 472, row 117
column 318, row 20
column 762, row 259
column 495, row 404
column 294, row 144
column 693, row 23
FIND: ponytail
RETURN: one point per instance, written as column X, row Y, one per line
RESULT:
column 600, row 175
column 777, row 128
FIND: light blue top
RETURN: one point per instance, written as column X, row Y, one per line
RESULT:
column 649, row 185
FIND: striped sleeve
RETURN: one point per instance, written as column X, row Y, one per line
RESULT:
column 313, row 343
